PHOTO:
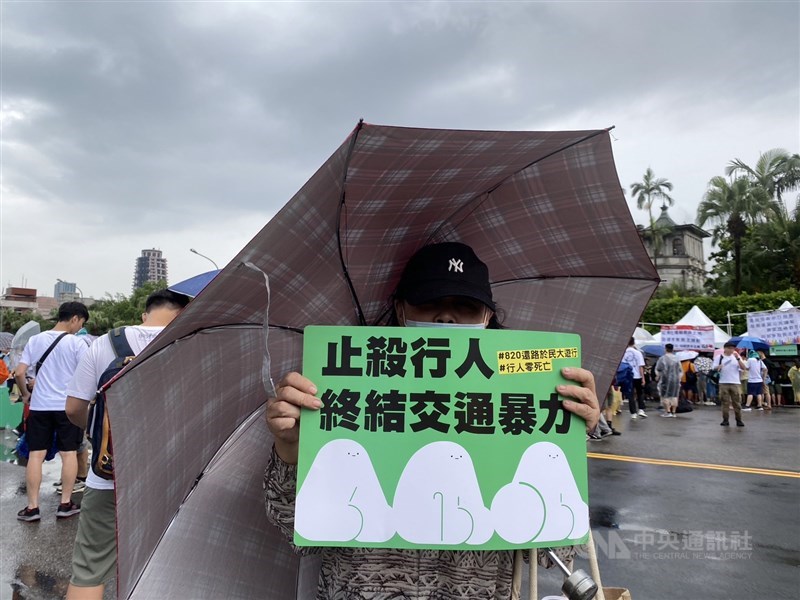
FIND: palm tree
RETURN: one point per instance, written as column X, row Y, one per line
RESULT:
column 789, row 178
column 646, row 192
column 779, row 242
column 776, row 171
column 733, row 207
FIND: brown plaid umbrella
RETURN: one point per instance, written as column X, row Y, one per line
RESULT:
column 544, row 210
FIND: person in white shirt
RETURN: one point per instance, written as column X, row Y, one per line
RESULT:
column 757, row 370
column 729, row 364
column 47, row 418
column 634, row 357
column 94, row 556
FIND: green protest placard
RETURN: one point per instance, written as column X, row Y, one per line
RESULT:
column 440, row 438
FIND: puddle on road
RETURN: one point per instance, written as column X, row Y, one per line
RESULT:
column 30, row 584
column 604, row 516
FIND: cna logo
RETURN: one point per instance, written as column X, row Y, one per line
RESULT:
column 456, row 265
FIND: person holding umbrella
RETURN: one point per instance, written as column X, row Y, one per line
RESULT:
column 429, row 294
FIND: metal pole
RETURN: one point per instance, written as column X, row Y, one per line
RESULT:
column 204, row 256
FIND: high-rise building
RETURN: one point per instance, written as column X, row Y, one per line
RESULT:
column 150, row 266
column 65, row 291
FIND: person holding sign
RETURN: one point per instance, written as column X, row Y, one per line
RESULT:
column 443, row 285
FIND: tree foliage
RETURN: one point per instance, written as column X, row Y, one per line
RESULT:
column 13, row 320
column 104, row 315
column 775, row 172
column 734, row 208
column 756, row 235
column 119, row 310
column 770, row 257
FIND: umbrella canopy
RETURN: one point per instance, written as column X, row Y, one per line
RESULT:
column 703, row 364
column 750, row 343
column 5, row 340
column 652, row 349
column 24, row 333
column 686, row 355
column 194, row 285
column 642, row 336
column 544, row 211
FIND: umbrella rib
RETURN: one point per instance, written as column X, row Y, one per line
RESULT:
column 339, row 213
column 543, row 277
column 475, row 203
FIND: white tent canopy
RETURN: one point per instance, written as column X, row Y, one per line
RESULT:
column 642, row 336
column 695, row 316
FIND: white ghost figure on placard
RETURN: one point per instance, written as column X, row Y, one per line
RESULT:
column 341, row 498
column 518, row 512
column 438, row 499
column 542, row 503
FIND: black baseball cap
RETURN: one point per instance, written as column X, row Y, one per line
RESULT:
column 445, row 269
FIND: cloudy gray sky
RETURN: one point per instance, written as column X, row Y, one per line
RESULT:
column 172, row 125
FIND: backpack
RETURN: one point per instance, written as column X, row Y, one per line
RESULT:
column 99, row 430
column 624, row 377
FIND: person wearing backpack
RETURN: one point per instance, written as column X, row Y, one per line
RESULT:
column 634, row 357
column 54, row 354
column 94, row 555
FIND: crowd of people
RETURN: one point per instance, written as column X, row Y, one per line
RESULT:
column 732, row 378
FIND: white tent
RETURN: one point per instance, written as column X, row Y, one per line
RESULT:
column 695, row 316
column 642, row 336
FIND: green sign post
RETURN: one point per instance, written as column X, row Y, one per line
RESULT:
column 440, row 438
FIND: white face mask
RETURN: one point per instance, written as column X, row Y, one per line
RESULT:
column 410, row 323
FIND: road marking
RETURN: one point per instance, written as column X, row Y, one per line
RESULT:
column 694, row 465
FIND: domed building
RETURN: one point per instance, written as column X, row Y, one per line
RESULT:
column 678, row 256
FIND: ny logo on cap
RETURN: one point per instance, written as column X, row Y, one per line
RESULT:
column 456, row 265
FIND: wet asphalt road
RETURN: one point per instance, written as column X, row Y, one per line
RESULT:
column 665, row 531
column 34, row 557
